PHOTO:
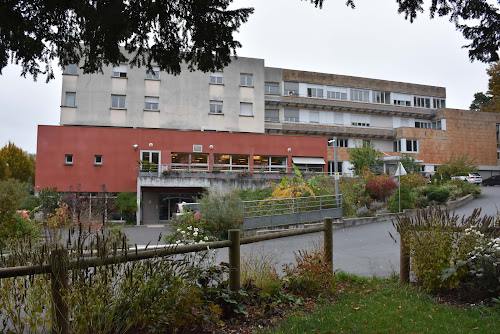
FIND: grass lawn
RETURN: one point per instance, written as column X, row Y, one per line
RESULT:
column 383, row 306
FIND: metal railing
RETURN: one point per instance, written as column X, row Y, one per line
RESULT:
column 282, row 212
column 157, row 170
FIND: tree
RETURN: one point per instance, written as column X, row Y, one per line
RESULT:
column 478, row 20
column 456, row 166
column 366, row 156
column 168, row 33
column 126, row 202
column 18, row 162
column 90, row 33
column 490, row 101
column 410, row 164
column 4, row 168
column 480, row 102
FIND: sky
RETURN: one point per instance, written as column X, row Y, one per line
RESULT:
column 371, row 41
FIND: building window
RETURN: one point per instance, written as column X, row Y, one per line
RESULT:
column 151, row 103
column 197, row 161
column 230, row 162
column 315, row 92
column 215, row 107
column 421, row 102
column 423, row 125
column 70, row 99
column 154, row 74
column 291, row 115
column 118, row 101
column 340, row 142
column 411, row 145
column 331, row 167
column 314, row 117
column 336, row 95
column 436, row 125
column 72, row 69
column 269, row 163
column 291, row 88
column 68, row 159
column 396, row 146
column 98, row 160
column 246, row 109
column 439, row 103
column 150, row 161
column 246, row 80
column 217, row 78
column 381, row 97
column 360, row 95
column 271, row 115
column 402, row 103
column 272, row 88
column 120, row 71
column 360, row 120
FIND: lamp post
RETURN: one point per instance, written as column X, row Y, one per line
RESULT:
column 335, row 164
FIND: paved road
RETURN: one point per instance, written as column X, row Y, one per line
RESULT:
column 366, row 250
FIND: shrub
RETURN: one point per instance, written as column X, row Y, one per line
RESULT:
column 16, row 228
column 363, row 212
column 433, row 246
column 413, row 180
column 459, row 188
column 352, row 189
column 260, row 269
column 255, row 194
column 377, row 206
column 380, row 186
column 311, row 275
column 126, row 202
column 406, row 200
column 221, row 212
column 438, row 195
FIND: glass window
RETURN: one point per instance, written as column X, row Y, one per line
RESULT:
column 150, row 161
column 439, row 103
column 436, row 125
column 411, row 145
column 246, row 109
column 315, row 92
column 70, row 99
column 68, row 159
column 118, row 101
column 291, row 88
column 423, row 125
column 197, row 161
column 72, row 69
column 336, row 95
column 341, row 142
column 151, row 103
column 98, row 160
column 216, row 107
column 120, row 71
column 314, row 117
column 291, row 115
column 381, row 97
column 272, row 115
column 246, row 80
column 230, row 162
column 153, row 75
column 421, row 102
column 360, row 95
column 272, row 88
column 269, row 163
column 396, row 146
column 217, row 78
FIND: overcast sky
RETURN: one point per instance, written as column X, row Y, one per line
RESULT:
column 370, row 41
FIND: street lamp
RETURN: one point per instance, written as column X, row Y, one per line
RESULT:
column 335, row 164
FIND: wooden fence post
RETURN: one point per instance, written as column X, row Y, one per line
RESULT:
column 234, row 260
column 328, row 240
column 404, row 257
column 59, row 284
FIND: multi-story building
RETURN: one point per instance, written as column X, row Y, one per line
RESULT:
column 248, row 118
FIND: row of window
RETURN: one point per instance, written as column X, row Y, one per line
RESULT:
column 68, row 159
column 293, row 116
column 411, row 146
column 216, row 107
column 199, row 161
column 117, row 101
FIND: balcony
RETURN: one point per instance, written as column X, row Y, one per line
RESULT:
column 330, row 130
column 295, row 100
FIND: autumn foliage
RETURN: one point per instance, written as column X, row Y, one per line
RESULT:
column 379, row 186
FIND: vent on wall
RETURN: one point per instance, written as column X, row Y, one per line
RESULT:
column 197, row 148
column 208, row 128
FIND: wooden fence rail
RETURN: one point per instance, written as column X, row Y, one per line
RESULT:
column 59, row 263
